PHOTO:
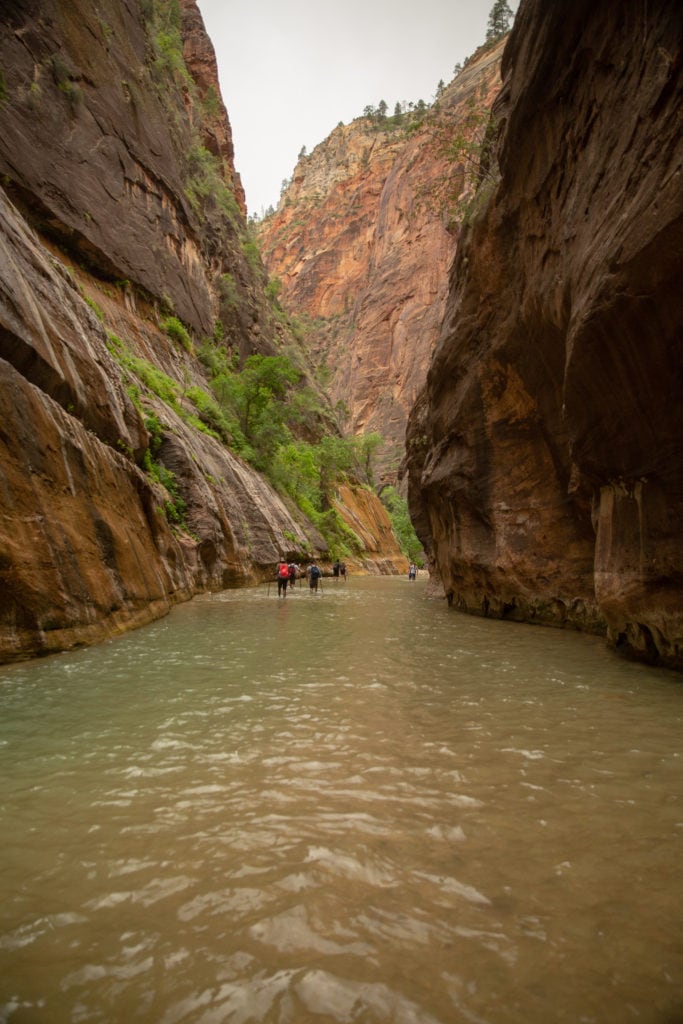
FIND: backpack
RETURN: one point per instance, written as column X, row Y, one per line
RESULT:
column 315, row 572
column 283, row 571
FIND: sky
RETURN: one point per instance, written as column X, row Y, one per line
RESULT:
column 291, row 70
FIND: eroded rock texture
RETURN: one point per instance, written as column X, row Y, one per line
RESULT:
column 369, row 520
column 86, row 546
column 104, row 144
column 362, row 242
column 545, row 452
column 113, row 504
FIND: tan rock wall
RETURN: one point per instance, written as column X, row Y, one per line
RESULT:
column 362, row 510
column 90, row 544
column 86, row 549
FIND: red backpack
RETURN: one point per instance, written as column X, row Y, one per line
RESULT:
column 283, row 571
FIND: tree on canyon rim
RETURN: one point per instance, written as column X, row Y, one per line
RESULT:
column 500, row 16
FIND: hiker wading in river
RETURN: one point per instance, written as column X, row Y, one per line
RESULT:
column 314, row 574
column 282, row 578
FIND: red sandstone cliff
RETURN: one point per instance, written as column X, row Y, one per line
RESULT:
column 118, row 201
column 545, row 454
column 362, row 241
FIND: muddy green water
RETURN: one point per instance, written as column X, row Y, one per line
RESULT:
column 360, row 806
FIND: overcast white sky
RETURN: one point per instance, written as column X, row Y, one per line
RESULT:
column 291, row 70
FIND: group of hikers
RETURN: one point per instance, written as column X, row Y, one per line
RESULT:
column 289, row 572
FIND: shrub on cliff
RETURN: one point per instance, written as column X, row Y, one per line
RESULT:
column 408, row 541
column 206, row 185
column 177, row 332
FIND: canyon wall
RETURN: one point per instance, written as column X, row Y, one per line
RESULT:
column 544, row 454
column 120, row 205
column 362, row 242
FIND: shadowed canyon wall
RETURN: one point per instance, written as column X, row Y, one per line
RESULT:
column 119, row 204
column 362, row 241
column 544, row 456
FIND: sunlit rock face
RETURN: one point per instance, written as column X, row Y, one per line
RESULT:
column 112, row 216
column 86, row 549
column 544, row 454
column 96, row 200
column 367, row 517
column 364, row 237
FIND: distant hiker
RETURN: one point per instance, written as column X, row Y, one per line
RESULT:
column 293, row 573
column 412, row 571
column 282, row 578
column 335, row 569
column 342, row 570
column 314, row 574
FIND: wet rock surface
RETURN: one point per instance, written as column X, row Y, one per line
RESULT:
column 545, row 457
column 100, row 232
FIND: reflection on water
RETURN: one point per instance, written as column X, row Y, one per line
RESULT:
column 356, row 806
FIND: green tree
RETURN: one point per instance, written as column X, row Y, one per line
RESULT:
column 335, row 457
column 263, row 379
column 500, row 17
column 367, row 445
column 471, row 150
column 397, row 507
column 296, row 468
column 382, row 108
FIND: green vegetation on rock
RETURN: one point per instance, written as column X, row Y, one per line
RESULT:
column 397, row 507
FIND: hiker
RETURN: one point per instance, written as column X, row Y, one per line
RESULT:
column 342, row 570
column 282, row 578
column 293, row 574
column 335, row 569
column 314, row 574
column 412, row 571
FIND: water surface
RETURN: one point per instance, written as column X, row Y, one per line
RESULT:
column 360, row 806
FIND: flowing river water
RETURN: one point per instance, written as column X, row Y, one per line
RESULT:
column 356, row 806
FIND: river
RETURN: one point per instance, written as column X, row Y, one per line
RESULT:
column 360, row 806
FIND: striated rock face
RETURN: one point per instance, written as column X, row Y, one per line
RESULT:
column 101, row 145
column 362, row 241
column 369, row 520
column 118, row 199
column 545, row 459
column 85, row 547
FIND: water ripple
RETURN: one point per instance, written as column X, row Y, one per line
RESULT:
column 361, row 808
